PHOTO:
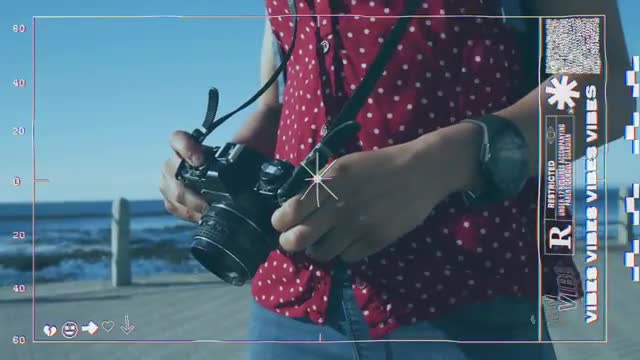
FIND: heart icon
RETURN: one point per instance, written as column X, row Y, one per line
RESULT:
column 107, row 325
column 50, row 330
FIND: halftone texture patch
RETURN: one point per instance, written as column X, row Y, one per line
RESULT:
column 572, row 46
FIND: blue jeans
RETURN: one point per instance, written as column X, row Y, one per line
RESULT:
column 505, row 320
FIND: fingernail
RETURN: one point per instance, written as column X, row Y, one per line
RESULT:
column 196, row 159
column 284, row 240
column 275, row 216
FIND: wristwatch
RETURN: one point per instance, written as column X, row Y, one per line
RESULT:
column 504, row 161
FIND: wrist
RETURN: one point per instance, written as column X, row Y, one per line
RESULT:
column 453, row 152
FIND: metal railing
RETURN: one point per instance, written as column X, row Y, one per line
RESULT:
column 121, row 219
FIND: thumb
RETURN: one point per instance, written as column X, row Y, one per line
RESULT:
column 186, row 147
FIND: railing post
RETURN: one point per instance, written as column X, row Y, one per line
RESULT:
column 120, row 265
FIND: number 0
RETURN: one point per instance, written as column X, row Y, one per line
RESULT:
column 17, row 181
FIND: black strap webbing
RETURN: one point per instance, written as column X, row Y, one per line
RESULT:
column 360, row 94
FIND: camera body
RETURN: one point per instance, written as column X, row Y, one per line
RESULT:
column 241, row 187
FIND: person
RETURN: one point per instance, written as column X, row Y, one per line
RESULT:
column 399, row 254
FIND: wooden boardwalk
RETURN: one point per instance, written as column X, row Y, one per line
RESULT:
column 184, row 307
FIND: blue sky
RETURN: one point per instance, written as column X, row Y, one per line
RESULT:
column 111, row 91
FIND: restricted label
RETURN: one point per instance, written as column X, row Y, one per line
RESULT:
column 559, row 206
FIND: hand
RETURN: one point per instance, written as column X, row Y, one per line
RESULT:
column 178, row 199
column 382, row 195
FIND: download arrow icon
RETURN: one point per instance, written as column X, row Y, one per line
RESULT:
column 90, row 328
column 127, row 328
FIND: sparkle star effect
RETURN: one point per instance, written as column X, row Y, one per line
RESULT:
column 630, row 261
column 317, row 180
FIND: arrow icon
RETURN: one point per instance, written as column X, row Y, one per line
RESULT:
column 90, row 328
column 127, row 328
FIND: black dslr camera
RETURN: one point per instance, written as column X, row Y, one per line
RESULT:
column 243, row 188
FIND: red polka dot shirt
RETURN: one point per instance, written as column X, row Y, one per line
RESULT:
column 443, row 71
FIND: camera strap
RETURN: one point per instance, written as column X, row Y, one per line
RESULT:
column 353, row 104
column 345, row 127
column 356, row 101
column 210, row 123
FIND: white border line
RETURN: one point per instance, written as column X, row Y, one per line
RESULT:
column 540, row 18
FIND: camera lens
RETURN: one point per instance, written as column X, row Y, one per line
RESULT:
column 232, row 241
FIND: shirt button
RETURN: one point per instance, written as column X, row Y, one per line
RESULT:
column 325, row 46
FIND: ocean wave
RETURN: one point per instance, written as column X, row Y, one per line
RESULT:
column 170, row 251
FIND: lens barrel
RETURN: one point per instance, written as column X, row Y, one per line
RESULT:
column 232, row 241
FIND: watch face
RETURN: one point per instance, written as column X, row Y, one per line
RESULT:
column 509, row 163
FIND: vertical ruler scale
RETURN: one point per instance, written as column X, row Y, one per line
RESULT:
column 573, row 111
column 33, row 170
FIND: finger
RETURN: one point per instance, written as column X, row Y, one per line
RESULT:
column 362, row 220
column 187, row 148
column 175, row 192
column 293, row 212
column 171, row 165
column 300, row 236
column 335, row 241
column 298, row 208
column 182, row 212
column 366, row 245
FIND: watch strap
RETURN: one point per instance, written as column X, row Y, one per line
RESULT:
column 492, row 126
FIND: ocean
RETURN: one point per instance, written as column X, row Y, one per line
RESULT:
column 72, row 246
column 73, row 240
